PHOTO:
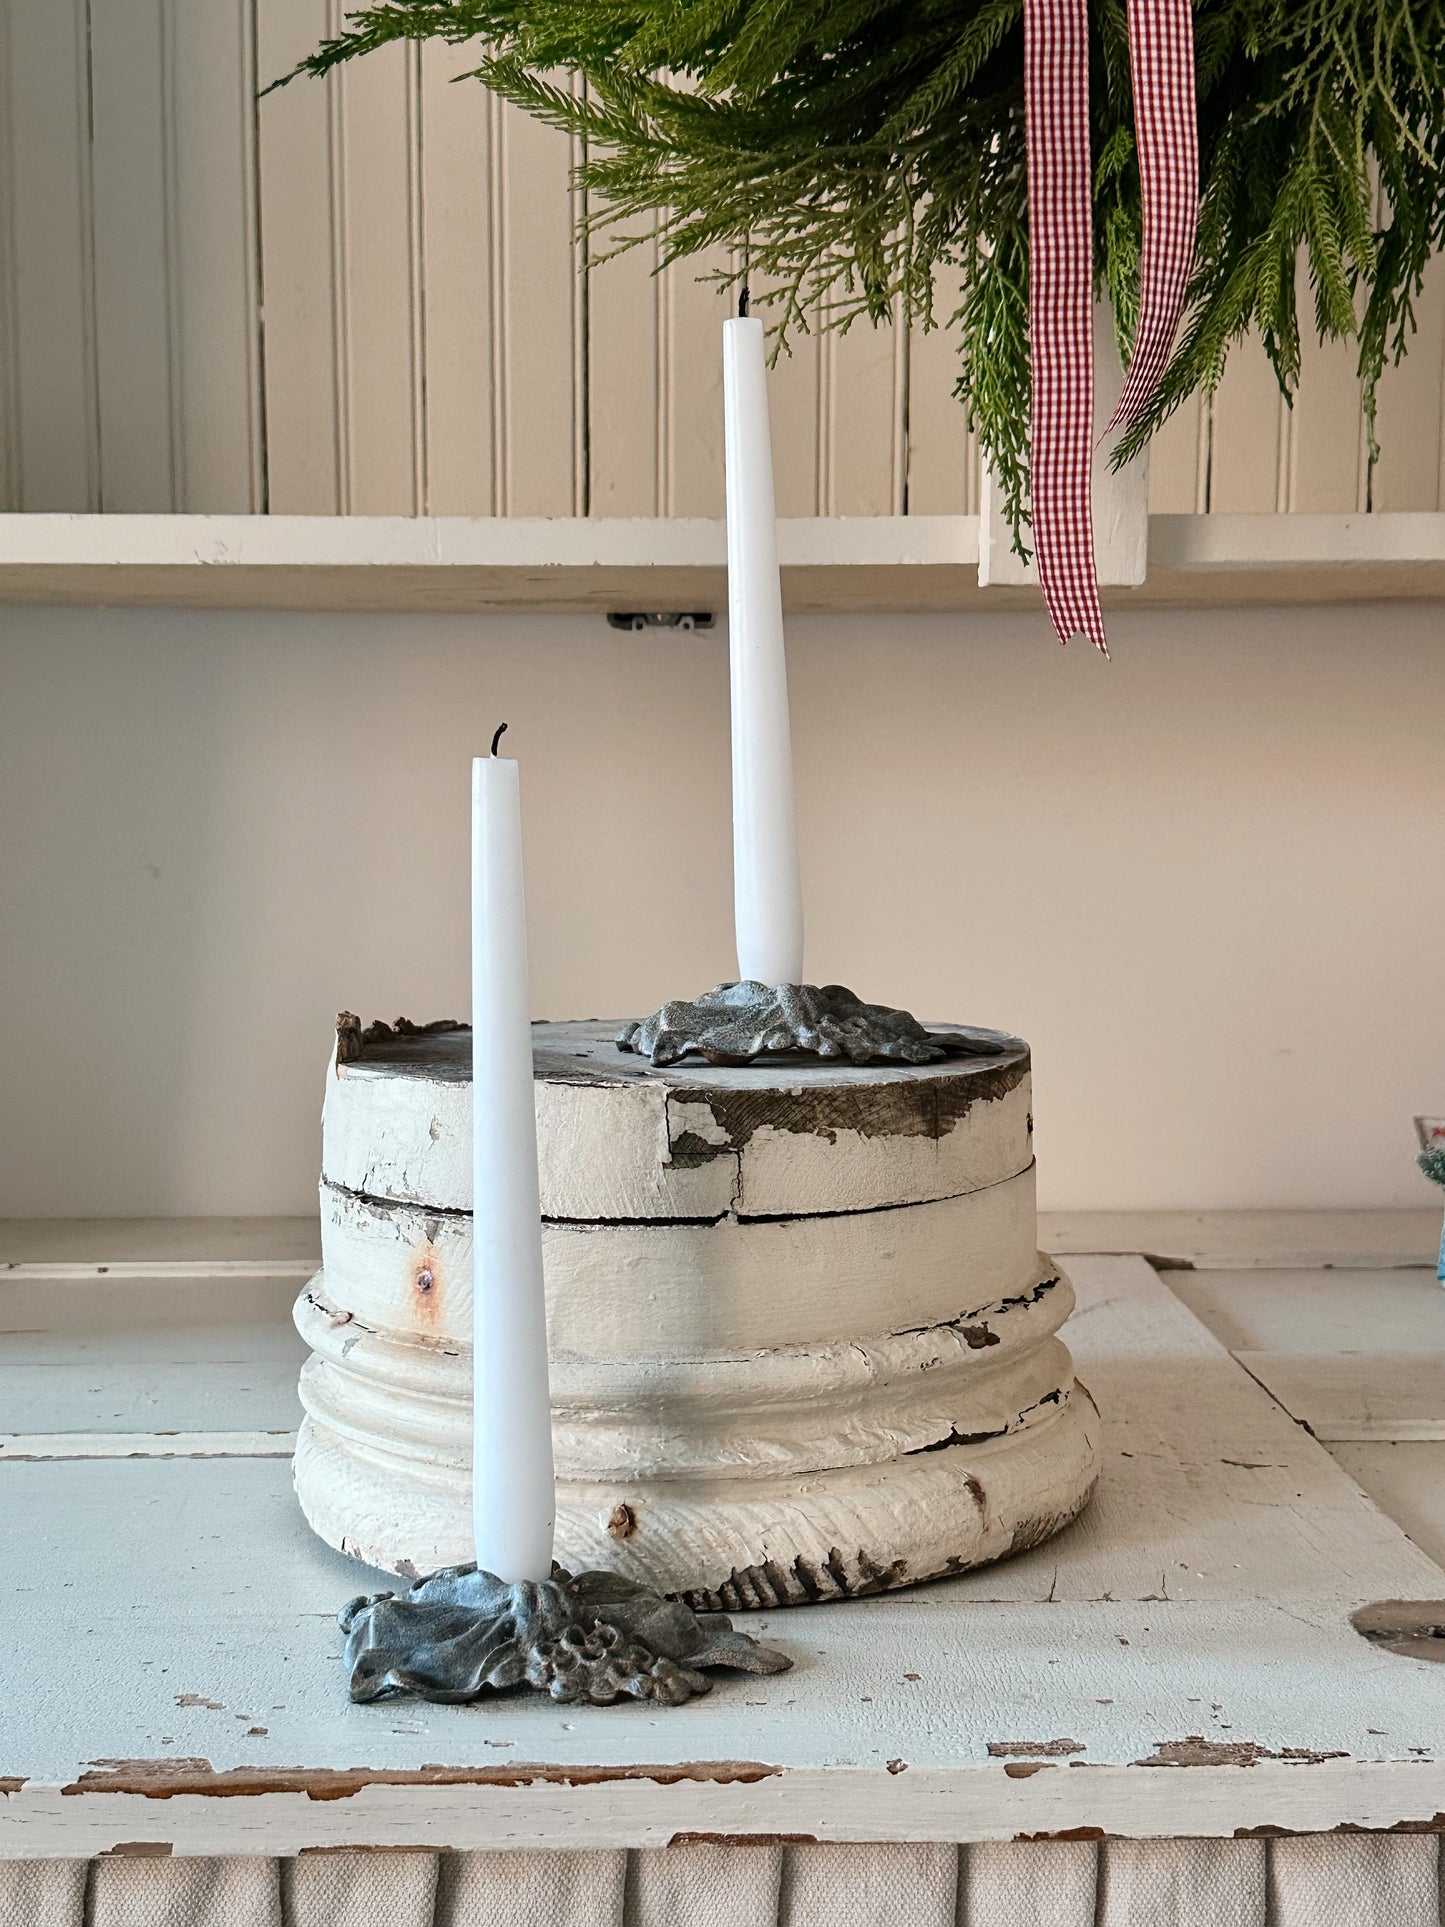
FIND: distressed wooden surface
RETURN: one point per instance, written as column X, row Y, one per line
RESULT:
column 1357, row 1355
column 1180, row 1661
column 618, row 1139
column 1407, row 1481
column 1384, row 1397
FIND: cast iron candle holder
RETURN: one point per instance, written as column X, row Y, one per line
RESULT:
column 740, row 1023
column 590, row 1637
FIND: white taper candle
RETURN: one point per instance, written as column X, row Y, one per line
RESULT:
column 767, row 893
column 514, row 1495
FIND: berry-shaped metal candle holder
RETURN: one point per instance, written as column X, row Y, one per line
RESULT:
column 590, row 1637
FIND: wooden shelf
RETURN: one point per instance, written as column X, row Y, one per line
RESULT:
column 884, row 563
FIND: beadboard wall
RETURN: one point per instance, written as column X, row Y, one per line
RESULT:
column 1203, row 880
column 363, row 297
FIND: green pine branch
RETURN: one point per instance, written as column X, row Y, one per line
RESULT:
column 857, row 146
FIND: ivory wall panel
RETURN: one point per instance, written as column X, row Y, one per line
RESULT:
column 216, row 346
column 367, row 296
column 55, row 451
column 797, row 394
column 1329, row 448
column 539, row 321
column 460, row 287
column 942, row 452
column 377, row 196
column 1408, row 472
column 694, row 310
column 134, row 202
column 864, row 461
column 299, row 131
column 625, row 376
column 1248, row 449
column 1179, row 461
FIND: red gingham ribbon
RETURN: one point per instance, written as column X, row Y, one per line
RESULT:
column 1166, row 133
column 1061, row 285
column 1056, row 109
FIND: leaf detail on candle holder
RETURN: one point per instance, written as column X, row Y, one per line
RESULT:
column 593, row 1636
column 738, row 1023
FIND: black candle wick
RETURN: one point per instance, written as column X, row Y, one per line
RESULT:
column 498, row 737
column 743, row 301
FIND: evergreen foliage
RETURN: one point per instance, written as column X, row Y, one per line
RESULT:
column 854, row 146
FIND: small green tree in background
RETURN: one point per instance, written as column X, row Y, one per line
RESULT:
column 853, row 147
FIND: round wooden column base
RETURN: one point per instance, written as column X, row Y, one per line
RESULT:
column 803, row 1342
column 731, row 1546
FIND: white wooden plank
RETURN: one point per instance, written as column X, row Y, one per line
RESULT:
column 692, row 451
column 10, row 465
column 217, row 346
column 1407, row 473
column 1407, row 1482
column 1360, row 1396
column 302, row 366
column 458, row 196
column 1164, row 1385
column 1319, row 1313
column 863, row 422
column 136, row 270
column 49, row 189
column 1249, row 1240
column 34, row 1446
column 98, row 1241
column 225, row 1376
column 1328, row 444
column 538, row 272
column 1179, row 461
column 193, row 1372
column 626, row 326
column 796, row 406
column 942, row 453
column 111, row 1310
column 1249, row 450
column 378, row 205
column 178, row 1269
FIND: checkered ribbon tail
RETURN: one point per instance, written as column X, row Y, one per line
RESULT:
column 1061, row 278
column 1166, row 134
column 1056, row 105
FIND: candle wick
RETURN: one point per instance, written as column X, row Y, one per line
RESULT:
column 498, row 737
column 743, row 301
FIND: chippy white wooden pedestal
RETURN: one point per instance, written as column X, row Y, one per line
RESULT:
column 804, row 1344
column 1162, row 1715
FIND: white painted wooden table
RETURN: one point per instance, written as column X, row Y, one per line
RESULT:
column 1179, row 1663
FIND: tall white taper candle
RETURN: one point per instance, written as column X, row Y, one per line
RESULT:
column 514, row 1495
column 767, row 894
